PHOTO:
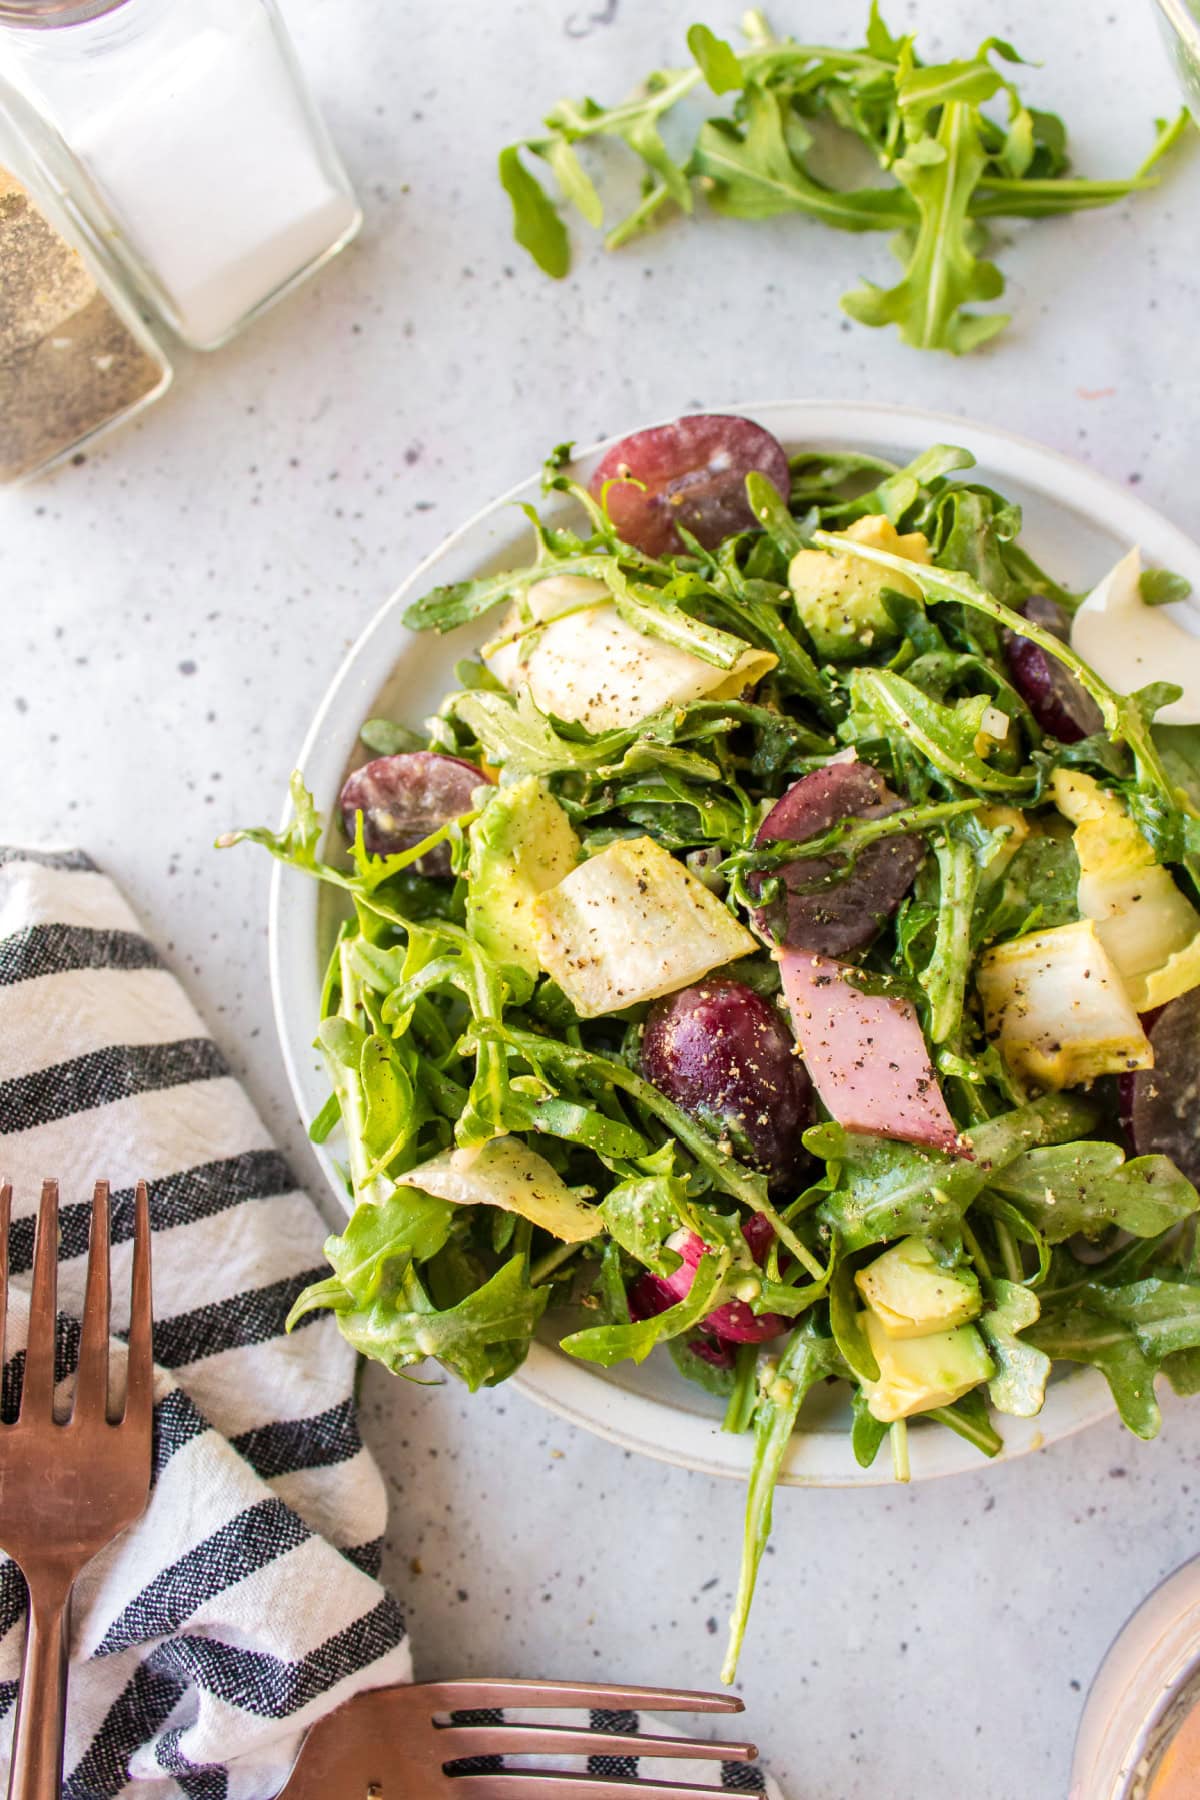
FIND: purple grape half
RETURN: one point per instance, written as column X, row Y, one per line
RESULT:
column 1061, row 707
column 1163, row 1103
column 692, row 473
column 724, row 1054
column 403, row 798
column 843, row 915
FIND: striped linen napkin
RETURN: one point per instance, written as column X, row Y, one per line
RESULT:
column 244, row 1604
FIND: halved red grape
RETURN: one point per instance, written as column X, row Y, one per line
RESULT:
column 1164, row 1110
column 724, row 1054
column 816, row 911
column 693, row 473
column 403, row 798
column 1050, row 691
column 731, row 1323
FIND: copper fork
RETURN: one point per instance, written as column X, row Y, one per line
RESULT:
column 389, row 1744
column 67, row 1489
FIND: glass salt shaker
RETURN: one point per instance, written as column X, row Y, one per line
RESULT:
column 183, row 141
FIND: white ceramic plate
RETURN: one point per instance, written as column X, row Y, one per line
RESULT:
column 1076, row 523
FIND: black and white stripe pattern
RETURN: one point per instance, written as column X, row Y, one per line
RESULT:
column 243, row 1605
column 725, row 1777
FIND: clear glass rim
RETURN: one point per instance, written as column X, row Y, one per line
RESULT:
column 1183, row 22
column 45, row 15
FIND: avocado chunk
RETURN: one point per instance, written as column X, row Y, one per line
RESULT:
column 840, row 598
column 521, row 844
column 917, row 1374
column 912, row 1295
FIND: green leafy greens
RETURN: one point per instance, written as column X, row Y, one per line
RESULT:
column 510, row 1165
column 948, row 164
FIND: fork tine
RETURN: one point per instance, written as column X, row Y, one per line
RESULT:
column 560, row 1740
column 472, row 1695
column 37, row 1393
column 5, row 1217
column 139, row 1380
column 91, row 1381
column 545, row 1784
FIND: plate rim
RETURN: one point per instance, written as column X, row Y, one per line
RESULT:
column 639, row 1422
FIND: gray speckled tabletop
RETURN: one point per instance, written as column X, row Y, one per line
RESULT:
column 171, row 611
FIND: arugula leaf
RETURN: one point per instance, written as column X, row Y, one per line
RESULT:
column 944, row 977
column 750, row 173
column 886, row 1189
column 1163, row 1315
column 885, row 704
column 969, row 1418
column 1040, row 887
column 920, row 89
column 1159, row 587
column 386, row 1313
column 1090, row 1188
column 973, row 531
column 642, row 608
column 1078, row 1334
column 806, row 1358
column 377, row 1244
column 944, row 274
column 880, row 41
column 386, row 738
column 512, row 731
column 846, row 1325
column 1127, row 1332
column 718, row 64
column 641, row 1214
column 1019, row 1385
column 714, row 1378
column 947, row 162
column 609, row 1344
column 536, row 225
column 773, row 512
column 867, row 1432
column 1179, row 747
column 297, row 842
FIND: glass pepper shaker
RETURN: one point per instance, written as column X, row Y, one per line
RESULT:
column 75, row 359
column 184, row 142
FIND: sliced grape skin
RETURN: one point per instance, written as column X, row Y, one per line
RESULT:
column 843, row 915
column 724, row 1054
column 1061, row 707
column 1164, row 1102
column 405, row 797
column 693, row 473
column 734, row 1322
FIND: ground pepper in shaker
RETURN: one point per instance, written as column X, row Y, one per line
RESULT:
column 186, row 145
column 73, row 360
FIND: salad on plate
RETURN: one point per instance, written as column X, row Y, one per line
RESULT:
column 781, row 948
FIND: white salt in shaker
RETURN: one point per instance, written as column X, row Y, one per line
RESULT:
column 182, row 137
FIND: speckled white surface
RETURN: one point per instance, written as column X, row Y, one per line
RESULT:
column 170, row 613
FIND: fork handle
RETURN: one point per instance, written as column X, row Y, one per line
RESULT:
column 40, row 1725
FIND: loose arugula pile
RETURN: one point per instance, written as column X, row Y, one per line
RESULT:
column 1081, row 1251
column 948, row 166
